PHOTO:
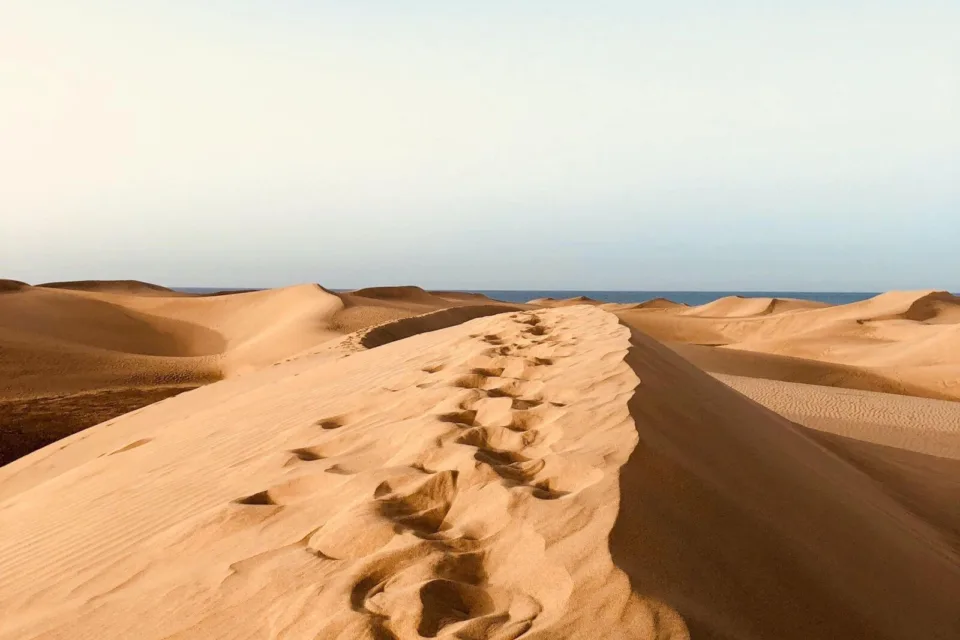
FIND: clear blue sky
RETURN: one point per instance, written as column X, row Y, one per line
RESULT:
column 543, row 144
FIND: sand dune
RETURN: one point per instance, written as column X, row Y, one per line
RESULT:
column 898, row 342
column 740, row 307
column 405, row 294
column 656, row 303
column 565, row 302
column 535, row 474
column 722, row 483
column 94, row 323
column 104, row 348
column 135, row 287
column 462, row 295
column 7, row 286
column 59, row 342
column 922, row 306
column 770, row 366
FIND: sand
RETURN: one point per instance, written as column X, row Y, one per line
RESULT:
column 393, row 463
column 88, row 351
column 903, row 342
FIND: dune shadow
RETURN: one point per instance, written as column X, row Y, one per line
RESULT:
column 434, row 321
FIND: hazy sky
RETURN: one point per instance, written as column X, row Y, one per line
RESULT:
column 803, row 145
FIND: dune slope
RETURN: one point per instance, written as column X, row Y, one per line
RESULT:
column 752, row 529
column 78, row 353
column 537, row 474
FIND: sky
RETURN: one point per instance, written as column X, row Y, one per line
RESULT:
column 604, row 145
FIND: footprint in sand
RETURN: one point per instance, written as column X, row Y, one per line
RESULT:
column 132, row 445
column 441, row 589
column 536, row 330
column 471, row 381
column 504, row 447
column 417, row 504
column 308, row 454
column 445, row 602
column 465, row 418
column 334, row 422
column 487, row 372
column 531, row 321
column 259, row 499
column 421, row 509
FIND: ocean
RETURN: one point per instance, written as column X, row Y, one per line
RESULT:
column 691, row 298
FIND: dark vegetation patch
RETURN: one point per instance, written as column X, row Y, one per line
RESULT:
column 28, row 425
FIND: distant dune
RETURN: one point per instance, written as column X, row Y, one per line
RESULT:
column 659, row 303
column 566, row 302
column 102, row 347
column 406, row 294
column 536, row 473
column 12, row 285
column 931, row 306
column 662, row 304
column 740, row 307
column 460, row 295
column 655, row 303
column 111, row 286
column 897, row 342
